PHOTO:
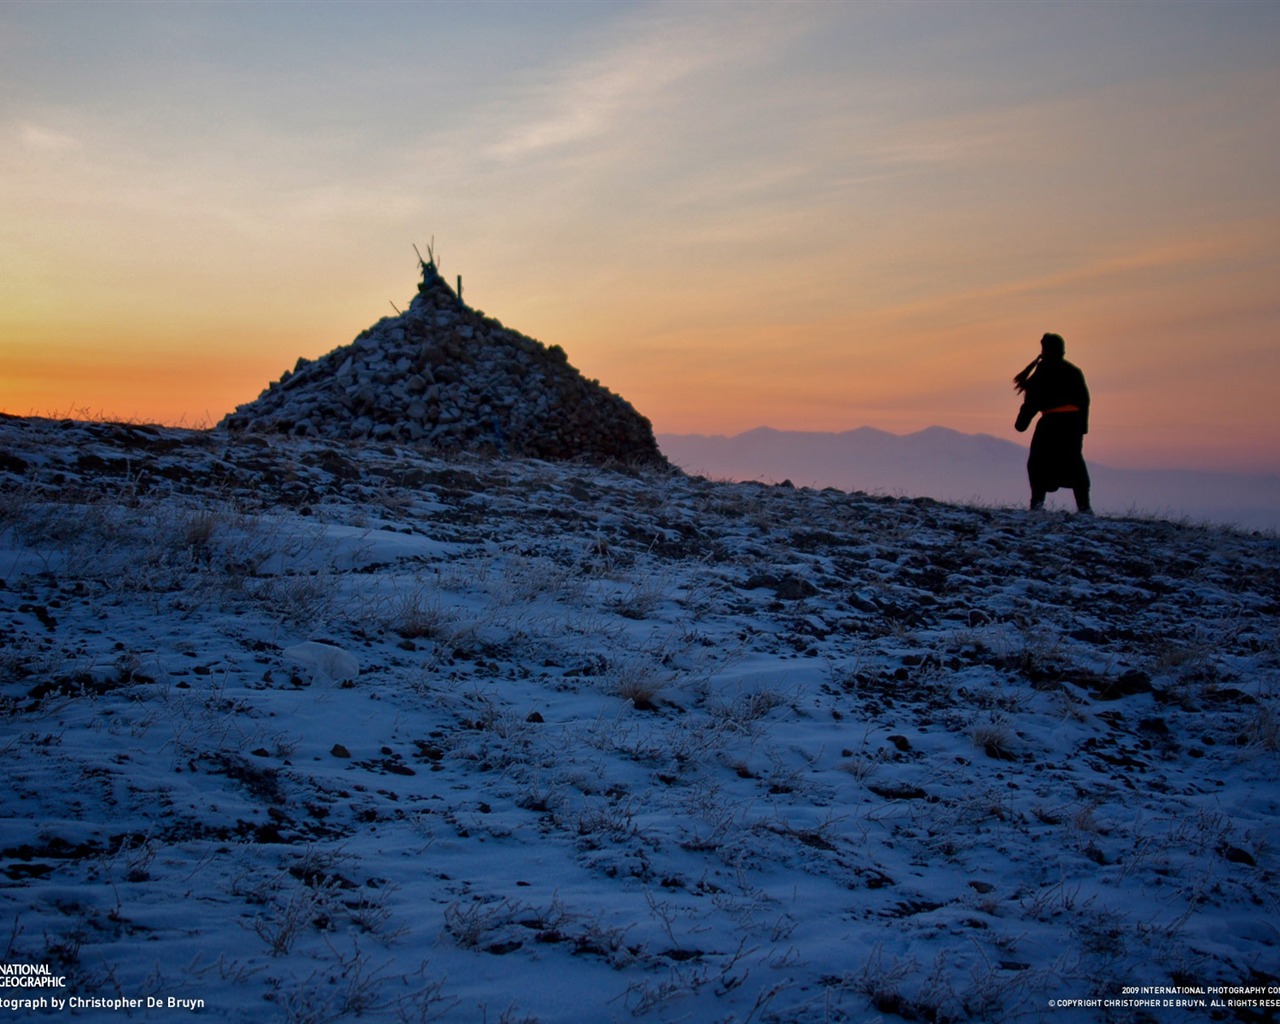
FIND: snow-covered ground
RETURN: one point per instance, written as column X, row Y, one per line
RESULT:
column 620, row 745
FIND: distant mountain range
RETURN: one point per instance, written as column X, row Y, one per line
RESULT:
column 966, row 468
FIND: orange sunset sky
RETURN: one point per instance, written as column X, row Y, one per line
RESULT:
column 811, row 216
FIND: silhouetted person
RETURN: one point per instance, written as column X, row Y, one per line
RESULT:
column 1055, row 389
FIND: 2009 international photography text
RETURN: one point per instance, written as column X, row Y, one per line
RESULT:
column 1177, row 997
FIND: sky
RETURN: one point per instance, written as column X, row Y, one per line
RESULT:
column 810, row 216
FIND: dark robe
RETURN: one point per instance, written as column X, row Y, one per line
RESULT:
column 1057, row 446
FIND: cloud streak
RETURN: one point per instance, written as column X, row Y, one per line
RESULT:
column 642, row 71
column 804, row 214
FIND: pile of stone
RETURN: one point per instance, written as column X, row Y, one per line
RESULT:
column 444, row 376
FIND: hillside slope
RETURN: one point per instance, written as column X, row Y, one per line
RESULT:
column 312, row 730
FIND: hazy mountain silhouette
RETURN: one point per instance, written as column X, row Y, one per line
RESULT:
column 973, row 468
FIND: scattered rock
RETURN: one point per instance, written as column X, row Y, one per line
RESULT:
column 787, row 588
column 1107, row 688
column 898, row 791
column 1237, row 856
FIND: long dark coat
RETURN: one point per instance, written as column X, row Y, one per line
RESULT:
column 1057, row 446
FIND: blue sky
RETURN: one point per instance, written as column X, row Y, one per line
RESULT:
column 809, row 215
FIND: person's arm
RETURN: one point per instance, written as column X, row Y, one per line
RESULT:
column 1031, row 405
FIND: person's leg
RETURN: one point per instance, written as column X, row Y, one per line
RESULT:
column 1038, row 463
column 1081, row 489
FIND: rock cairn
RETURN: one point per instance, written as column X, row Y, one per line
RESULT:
column 444, row 376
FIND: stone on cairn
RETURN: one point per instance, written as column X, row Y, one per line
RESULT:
column 442, row 375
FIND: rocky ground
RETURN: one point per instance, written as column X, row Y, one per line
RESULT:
column 311, row 730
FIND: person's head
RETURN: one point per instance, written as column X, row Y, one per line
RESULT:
column 1053, row 347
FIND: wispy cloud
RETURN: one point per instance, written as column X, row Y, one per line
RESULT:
column 1161, row 261
column 646, row 66
column 594, row 99
column 48, row 140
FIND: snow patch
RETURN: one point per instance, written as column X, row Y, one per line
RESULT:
column 326, row 662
